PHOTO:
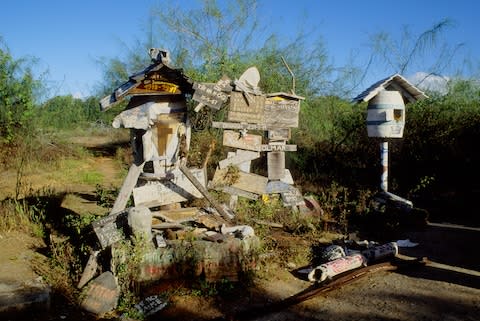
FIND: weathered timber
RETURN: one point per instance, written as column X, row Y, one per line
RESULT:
column 243, row 141
column 127, row 188
column 177, row 215
column 240, row 157
column 167, row 226
column 247, row 126
column 278, row 148
column 238, row 192
column 279, row 134
column 281, row 112
column 241, row 110
column 249, row 182
column 164, row 192
column 212, row 95
column 204, row 192
column 276, row 165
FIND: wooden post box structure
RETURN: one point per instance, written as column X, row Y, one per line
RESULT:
column 386, row 113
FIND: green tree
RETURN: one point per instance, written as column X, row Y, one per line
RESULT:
column 17, row 95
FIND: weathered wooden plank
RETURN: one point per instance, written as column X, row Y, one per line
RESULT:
column 212, row 95
column 238, row 192
column 281, row 112
column 127, row 187
column 177, row 215
column 228, row 125
column 163, row 192
column 278, row 148
column 276, row 165
column 245, row 181
column 236, row 140
column 204, row 192
column 241, row 111
column 279, row 134
column 239, row 158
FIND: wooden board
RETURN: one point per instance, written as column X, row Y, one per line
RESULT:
column 278, row 148
column 248, row 141
column 240, row 111
column 212, row 95
column 164, row 192
column 249, row 182
column 228, row 125
column 238, row 192
column 240, row 157
column 179, row 215
column 155, row 83
column 279, row 134
column 276, row 165
column 281, row 113
column 111, row 228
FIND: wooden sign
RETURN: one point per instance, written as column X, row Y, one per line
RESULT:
column 164, row 192
column 278, row 148
column 281, row 112
column 228, row 125
column 212, row 95
column 111, row 228
column 242, row 111
column 240, row 157
column 236, row 140
column 156, row 84
column 249, row 182
column 279, row 134
column 276, row 165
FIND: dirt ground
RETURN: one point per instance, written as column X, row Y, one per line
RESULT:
column 446, row 289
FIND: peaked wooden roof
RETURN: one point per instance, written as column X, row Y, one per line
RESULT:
column 394, row 82
column 172, row 75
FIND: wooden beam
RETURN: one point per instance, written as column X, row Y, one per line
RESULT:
column 127, row 188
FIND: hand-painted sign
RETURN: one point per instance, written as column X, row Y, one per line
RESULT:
column 242, row 141
column 241, row 111
column 212, row 95
column 110, row 229
column 281, row 112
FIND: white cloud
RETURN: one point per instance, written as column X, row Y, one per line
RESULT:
column 429, row 82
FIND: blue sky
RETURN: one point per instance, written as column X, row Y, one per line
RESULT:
column 68, row 37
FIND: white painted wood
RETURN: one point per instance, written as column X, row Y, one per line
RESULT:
column 239, row 158
column 126, row 189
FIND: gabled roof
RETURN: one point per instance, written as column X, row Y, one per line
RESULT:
column 175, row 76
column 394, row 82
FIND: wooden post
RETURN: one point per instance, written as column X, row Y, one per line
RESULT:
column 384, row 162
column 127, row 188
column 204, row 192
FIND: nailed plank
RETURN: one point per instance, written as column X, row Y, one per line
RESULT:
column 212, row 95
column 242, row 111
column 163, row 192
column 228, row 125
column 249, row 182
column 127, row 187
column 177, row 215
column 236, row 140
column 239, row 158
column 238, row 192
column 279, row 134
column 278, row 148
column 281, row 112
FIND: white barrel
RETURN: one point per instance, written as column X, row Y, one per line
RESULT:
column 386, row 115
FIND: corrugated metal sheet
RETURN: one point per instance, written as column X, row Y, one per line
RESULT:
column 394, row 82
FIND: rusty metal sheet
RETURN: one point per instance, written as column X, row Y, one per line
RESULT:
column 178, row 189
column 240, row 111
column 236, row 140
column 280, row 112
column 276, row 165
